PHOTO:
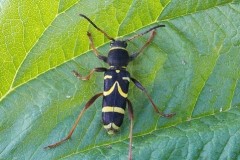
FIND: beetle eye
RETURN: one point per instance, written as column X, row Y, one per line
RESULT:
column 111, row 43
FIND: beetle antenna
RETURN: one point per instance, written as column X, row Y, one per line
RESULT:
column 138, row 35
column 94, row 25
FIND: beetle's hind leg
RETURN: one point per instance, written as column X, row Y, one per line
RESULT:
column 88, row 104
column 130, row 113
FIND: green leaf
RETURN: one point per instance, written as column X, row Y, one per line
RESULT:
column 191, row 68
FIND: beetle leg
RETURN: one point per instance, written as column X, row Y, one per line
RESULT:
column 133, row 56
column 103, row 58
column 88, row 104
column 130, row 112
column 139, row 85
column 99, row 69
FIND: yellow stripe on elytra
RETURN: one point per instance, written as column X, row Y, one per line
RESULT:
column 108, row 126
column 111, row 125
column 126, row 78
column 112, row 48
column 121, row 92
column 107, row 77
column 106, row 93
column 113, row 109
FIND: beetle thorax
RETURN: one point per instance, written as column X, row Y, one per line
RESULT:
column 118, row 55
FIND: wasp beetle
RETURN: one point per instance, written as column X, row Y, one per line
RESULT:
column 116, row 84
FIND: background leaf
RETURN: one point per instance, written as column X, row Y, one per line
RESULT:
column 191, row 69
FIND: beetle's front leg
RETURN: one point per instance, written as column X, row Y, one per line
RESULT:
column 79, row 76
column 133, row 56
column 103, row 58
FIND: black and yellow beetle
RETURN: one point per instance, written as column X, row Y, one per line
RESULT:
column 116, row 84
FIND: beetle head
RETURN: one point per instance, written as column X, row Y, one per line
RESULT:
column 118, row 44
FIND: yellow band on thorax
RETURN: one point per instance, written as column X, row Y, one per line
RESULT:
column 112, row 48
